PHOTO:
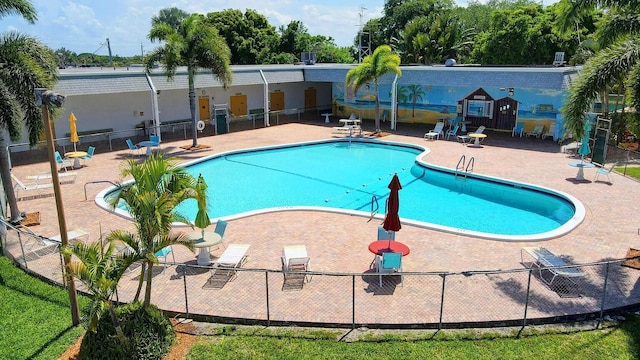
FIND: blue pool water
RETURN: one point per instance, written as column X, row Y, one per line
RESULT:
column 350, row 176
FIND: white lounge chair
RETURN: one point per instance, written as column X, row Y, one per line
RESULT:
column 545, row 260
column 223, row 271
column 465, row 139
column 550, row 133
column 295, row 262
column 73, row 236
column 20, row 185
column 537, row 131
column 436, row 132
column 36, row 247
column 65, row 178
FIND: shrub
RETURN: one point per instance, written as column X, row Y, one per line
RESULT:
column 148, row 331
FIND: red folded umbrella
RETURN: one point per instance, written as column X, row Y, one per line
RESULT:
column 392, row 220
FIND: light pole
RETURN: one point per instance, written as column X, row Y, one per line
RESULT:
column 46, row 99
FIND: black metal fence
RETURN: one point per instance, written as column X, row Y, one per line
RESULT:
column 525, row 296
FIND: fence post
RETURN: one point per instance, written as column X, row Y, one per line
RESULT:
column 604, row 294
column 184, row 281
column 353, row 302
column 24, row 256
column 444, row 278
column 266, row 282
column 526, row 301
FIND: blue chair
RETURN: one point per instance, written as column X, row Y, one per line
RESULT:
column 132, row 147
column 518, row 129
column 164, row 253
column 386, row 235
column 155, row 139
column 453, row 131
column 384, row 115
column 90, row 152
column 605, row 171
column 221, row 227
column 64, row 164
column 390, row 262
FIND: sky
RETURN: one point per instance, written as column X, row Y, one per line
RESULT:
column 83, row 26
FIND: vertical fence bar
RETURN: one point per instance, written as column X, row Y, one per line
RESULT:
column 24, row 256
column 353, row 302
column 184, row 282
column 266, row 283
column 526, row 301
column 604, row 294
column 444, row 278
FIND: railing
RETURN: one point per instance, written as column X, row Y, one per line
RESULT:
column 516, row 297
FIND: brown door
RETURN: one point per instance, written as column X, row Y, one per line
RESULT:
column 277, row 101
column 506, row 110
column 203, row 104
column 238, row 105
column 310, row 99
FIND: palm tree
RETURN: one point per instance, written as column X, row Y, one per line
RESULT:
column 617, row 62
column 170, row 16
column 159, row 187
column 25, row 64
column 100, row 271
column 416, row 92
column 23, row 8
column 193, row 44
column 382, row 61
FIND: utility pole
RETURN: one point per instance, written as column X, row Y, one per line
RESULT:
column 110, row 57
column 141, row 53
column 46, row 99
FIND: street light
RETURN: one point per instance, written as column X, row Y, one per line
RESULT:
column 46, row 99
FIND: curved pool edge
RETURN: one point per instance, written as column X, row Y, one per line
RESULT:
column 568, row 226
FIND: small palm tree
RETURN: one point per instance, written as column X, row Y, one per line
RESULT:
column 159, row 187
column 194, row 44
column 100, row 271
column 373, row 67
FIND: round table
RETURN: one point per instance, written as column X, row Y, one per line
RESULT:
column 382, row 246
column 203, row 243
column 477, row 136
column 148, row 144
column 581, row 165
column 76, row 155
column 326, row 117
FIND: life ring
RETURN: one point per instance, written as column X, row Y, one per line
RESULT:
column 200, row 125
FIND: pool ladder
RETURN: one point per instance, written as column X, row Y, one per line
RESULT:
column 374, row 207
column 461, row 165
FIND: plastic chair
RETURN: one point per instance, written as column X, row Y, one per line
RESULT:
column 453, row 132
column 605, row 171
column 221, row 226
column 132, row 147
column 390, row 262
column 386, row 235
column 518, row 129
column 90, row 152
column 164, row 253
column 64, row 164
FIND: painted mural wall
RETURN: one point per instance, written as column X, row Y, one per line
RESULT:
column 426, row 103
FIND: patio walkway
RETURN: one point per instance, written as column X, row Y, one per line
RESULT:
column 609, row 230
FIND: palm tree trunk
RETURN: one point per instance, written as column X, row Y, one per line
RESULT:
column 116, row 324
column 140, row 281
column 192, row 106
column 377, row 109
column 147, row 290
column 5, row 173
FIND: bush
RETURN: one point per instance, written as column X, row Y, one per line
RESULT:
column 148, row 331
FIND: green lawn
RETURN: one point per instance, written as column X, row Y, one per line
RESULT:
column 35, row 318
column 632, row 171
column 36, row 324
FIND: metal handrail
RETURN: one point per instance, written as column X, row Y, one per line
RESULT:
column 469, row 165
column 458, row 167
column 96, row 182
column 374, row 200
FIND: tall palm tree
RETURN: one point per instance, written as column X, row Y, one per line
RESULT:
column 193, row 44
column 171, row 16
column 373, row 67
column 618, row 60
column 100, row 271
column 25, row 64
column 159, row 187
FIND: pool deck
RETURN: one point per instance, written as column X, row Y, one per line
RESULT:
column 338, row 243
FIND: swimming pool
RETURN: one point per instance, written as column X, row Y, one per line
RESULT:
column 352, row 177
